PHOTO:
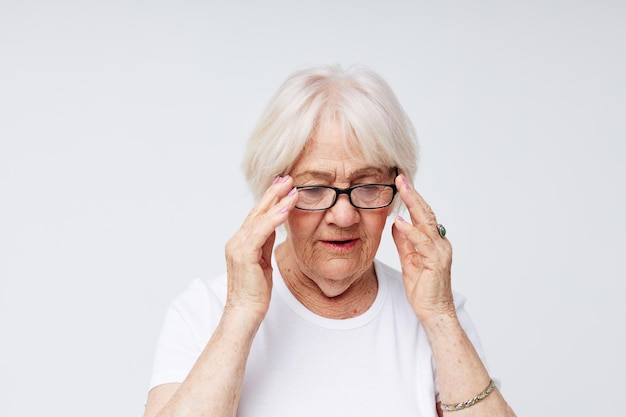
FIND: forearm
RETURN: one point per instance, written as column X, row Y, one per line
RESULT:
column 460, row 371
column 213, row 386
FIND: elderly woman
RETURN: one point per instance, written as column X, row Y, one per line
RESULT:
column 315, row 325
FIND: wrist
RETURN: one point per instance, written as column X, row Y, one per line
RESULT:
column 442, row 324
column 242, row 319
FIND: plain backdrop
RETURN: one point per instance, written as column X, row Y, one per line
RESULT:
column 122, row 126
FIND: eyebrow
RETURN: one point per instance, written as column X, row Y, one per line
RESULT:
column 363, row 172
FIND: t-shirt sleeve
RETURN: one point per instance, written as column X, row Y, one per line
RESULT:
column 189, row 323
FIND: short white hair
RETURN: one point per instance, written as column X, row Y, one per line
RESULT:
column 376, row 128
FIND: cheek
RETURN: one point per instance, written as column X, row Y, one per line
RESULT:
column 374, row 231
column 301, row 226
column 376, row 224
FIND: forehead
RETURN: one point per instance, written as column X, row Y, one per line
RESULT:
column 326, row 143
column 326, row 155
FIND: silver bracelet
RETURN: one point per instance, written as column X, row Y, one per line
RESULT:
column 470, row 402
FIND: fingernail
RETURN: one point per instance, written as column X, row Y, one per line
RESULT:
column 401, row 218
column 285, row 178
column 276, row 180
column 292, row 192
column 284, row 210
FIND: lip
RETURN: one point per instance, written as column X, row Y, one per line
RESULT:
column 340, row 245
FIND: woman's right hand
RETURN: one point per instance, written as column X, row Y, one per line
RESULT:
column 249, row 251
column 213, row 385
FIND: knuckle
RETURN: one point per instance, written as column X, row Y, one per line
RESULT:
column 229, row 248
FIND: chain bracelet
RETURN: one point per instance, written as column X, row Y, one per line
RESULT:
column 472, row 401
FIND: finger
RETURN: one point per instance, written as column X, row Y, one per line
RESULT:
column 422, row 215
column 410, row 241
column 266, row 252
column 277, row 200
column 271, row 212
column 399, row 232
column 257, row 228
column 272, row 196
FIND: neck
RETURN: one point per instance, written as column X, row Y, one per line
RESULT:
column 357, row 298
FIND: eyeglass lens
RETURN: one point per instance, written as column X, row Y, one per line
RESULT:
column 367, row 196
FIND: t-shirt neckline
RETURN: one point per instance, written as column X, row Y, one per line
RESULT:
column 335, row 324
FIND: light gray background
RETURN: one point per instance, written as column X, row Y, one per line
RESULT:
column 122, row 125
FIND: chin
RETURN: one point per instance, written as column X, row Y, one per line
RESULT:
column 333, row 289
column 335, row 276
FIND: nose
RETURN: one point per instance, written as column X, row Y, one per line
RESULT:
column 342, row 214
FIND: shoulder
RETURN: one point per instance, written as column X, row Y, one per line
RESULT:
column 202, row 298
column 205, row 287
column 193, row 315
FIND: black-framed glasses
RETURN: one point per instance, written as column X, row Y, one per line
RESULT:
column 362, row 196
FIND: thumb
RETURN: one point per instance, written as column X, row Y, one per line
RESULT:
column 266, row 251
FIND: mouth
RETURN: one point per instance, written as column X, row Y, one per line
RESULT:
column 340, row 245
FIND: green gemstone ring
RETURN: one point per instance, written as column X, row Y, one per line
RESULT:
column 441, row 230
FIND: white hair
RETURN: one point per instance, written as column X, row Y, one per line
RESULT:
column 376, row 128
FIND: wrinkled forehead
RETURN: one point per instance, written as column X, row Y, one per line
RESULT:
column 337, row 133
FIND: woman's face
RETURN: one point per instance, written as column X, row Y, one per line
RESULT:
column 335, row 247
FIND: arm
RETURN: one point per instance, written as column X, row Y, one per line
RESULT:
column 213, row 386
column 426, row 260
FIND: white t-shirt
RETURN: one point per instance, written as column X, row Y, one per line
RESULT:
column 301, row 364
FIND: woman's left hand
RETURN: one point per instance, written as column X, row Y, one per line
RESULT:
column 425, row 256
